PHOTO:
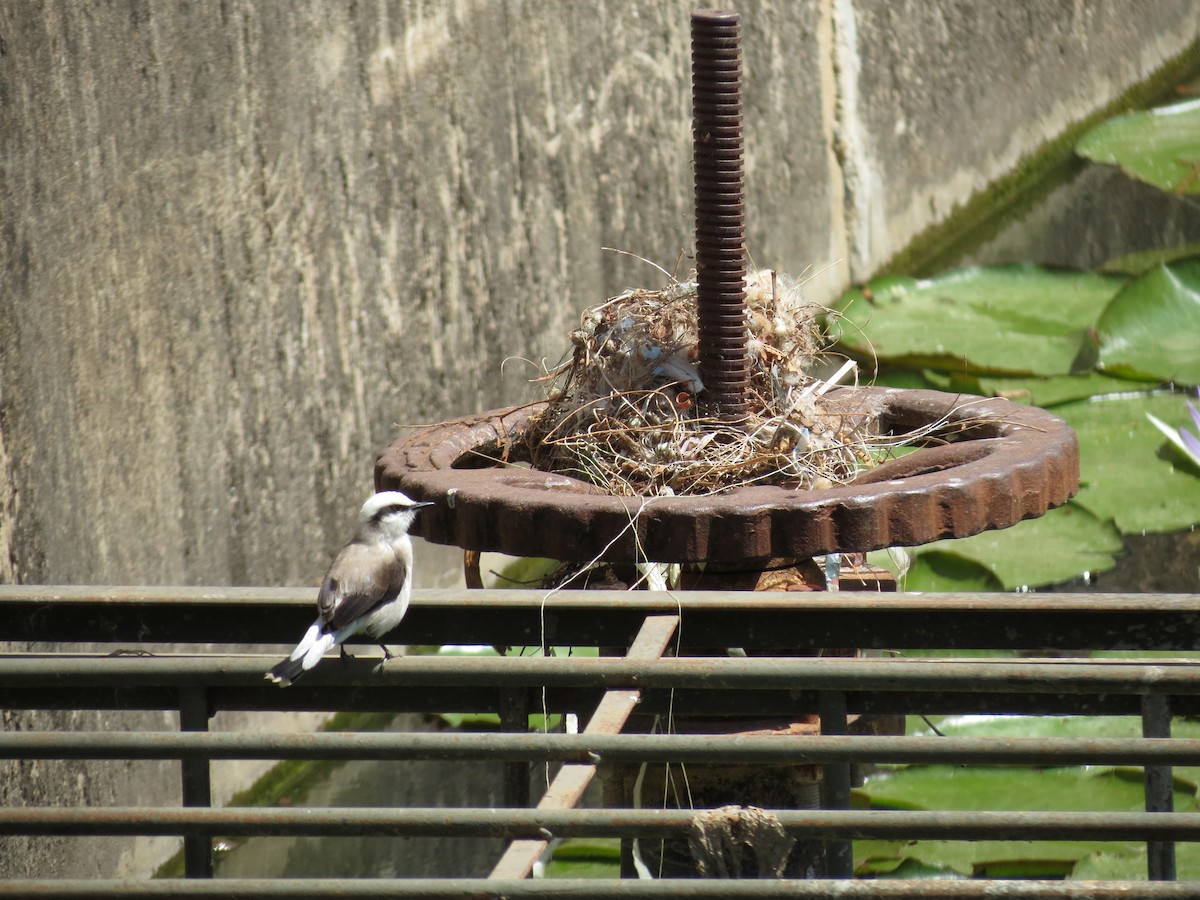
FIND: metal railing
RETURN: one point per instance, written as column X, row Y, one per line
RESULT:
column 673, row 658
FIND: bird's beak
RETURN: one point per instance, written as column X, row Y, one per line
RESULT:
column 424, row 503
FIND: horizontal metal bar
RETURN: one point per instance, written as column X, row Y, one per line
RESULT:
column 866, row 620
column 595, row 889
column 585, row 748
column 791, row 673
column 1113, row 676
column 363, row 695
column 569, row 823
column 644, row 602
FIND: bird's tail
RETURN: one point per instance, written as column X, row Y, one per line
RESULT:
column 284, row 673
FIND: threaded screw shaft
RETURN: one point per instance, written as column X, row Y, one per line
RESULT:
column 720, row 211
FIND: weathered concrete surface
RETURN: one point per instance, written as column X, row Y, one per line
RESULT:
column 243, row 242
column 1089, row 220
column 940, row 99
column 240, row 242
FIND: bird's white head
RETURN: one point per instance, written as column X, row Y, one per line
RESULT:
column 389, row 514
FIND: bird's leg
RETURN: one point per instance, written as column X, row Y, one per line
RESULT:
column 345, row 654
column 387, row 654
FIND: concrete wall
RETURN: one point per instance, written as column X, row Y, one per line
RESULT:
column 241, row 242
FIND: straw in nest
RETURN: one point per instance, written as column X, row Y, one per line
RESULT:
column 623, row 412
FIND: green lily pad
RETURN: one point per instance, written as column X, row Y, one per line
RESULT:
column 1187, row 778
column 1178, row 438
column 1145, row 260
column 998, row 726
column 1130, row 865
column 878, row 857
column 1003, row 788
column 1130, row 474
column 1057, row 388
column 1014, row 859
column 1001, row 320
column 1009, row 859
column 1053, row 548
column 1133, row 479
column 911, row 869
column 962, row 331
column 1159, row 146
column 1034, row 862
column 934, row 570
column 586, row 858
column 1151, row 329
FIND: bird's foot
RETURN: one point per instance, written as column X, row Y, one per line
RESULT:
column 345, row 654
column 387, row 654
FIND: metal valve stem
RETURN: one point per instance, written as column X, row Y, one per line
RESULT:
column 720, row 212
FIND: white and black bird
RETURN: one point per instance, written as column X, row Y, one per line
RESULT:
column 367, row 588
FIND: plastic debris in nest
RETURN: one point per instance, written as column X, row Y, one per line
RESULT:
column 623, row 413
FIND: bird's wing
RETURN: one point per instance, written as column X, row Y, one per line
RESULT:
column 361, row 577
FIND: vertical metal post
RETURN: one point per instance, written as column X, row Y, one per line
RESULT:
column 514, row 717
column 197, row 785
column 720, row 211
column 1159, row 787
column 835, row 783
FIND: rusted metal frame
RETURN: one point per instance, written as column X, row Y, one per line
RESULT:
column 535, row 824
column 82, row 597
column 362, row 695
column 196, row 781
column 572, row 780
column 835, row 782
column 263, row 615
column 575, row 888
column 514, row 719
column 759, row 685
column 832, row 673
column 757, row 673
column 766, row 703
column 433, row 699
column 1159, row 786
column 133, row 615
column 617, row 748
column 786, row 625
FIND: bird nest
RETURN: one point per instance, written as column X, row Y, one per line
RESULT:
column 625, row 412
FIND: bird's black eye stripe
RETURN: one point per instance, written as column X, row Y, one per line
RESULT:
column 388, row 510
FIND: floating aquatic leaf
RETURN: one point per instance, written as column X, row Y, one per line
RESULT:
column 1001, row 727
column 586, row 858
column 1054, row 389
column 1009, row 320
column 911, row 869
column 1158, row 146
column 1131, row 864
column 1145, row 260
column 878, row 857
column 1004, row 788
column 1047, row 550
column 1003, row 859
column 938, row 570
column 1187, row 443
column 1151, row 329
column 971, row 330
column 1126, row 476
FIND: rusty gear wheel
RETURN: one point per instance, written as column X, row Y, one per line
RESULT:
column 1007, row 462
